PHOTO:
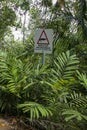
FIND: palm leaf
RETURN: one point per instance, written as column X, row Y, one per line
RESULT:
column 70, row 114
column 77, row 101
column 65, row 66
column 82, row 78
column 36, row 110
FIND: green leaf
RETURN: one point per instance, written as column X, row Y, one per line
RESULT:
column 36, row 110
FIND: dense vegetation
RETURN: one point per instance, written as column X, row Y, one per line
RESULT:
column 53, row 96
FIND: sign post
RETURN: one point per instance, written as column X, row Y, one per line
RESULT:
column 43, row 58
column 43, row 42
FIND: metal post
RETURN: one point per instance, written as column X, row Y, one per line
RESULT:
column 43, row 58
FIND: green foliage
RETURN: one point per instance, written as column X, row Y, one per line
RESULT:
column 57, row 89
column 24, row 4
column 82, row 79
column 7, row 17
column 40, row 91
column 70, row 114
column 65, row 66
column 13, row 79
column 36, row 110
column 75, row 109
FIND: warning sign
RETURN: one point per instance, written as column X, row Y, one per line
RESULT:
column 43, row 40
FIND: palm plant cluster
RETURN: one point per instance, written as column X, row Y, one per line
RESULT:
column 51, row 96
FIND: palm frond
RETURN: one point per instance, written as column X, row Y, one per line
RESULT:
column 70, row 114
column 76, row 101
column 82, row 78
column 36, row 110
column 65, row 66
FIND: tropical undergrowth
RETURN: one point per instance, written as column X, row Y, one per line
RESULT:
column 51, row 95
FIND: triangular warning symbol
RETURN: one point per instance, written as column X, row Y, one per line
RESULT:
column 43, row 39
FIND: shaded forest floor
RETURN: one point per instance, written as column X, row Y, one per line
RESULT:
column 13, row 123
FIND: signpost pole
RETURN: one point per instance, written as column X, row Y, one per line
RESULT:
column 43, row 58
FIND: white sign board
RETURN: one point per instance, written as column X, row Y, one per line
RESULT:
column 43, row 41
